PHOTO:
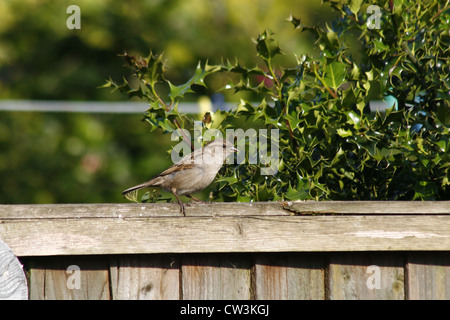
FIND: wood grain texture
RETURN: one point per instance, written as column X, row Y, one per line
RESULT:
column 215, row 277
column 135, row 210
column 369, row 207
column 145, row 277
column 365, row 277
column 282, row 250
column 289, row 276
column 37, row 237
column 428, row 276
column 69, row 278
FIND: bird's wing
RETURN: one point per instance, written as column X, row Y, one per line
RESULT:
column 176, row 168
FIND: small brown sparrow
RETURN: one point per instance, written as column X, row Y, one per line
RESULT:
column 192, row 173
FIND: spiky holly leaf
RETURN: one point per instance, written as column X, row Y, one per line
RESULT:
column 267, row 46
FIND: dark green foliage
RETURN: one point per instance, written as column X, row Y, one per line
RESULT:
column 332, row 146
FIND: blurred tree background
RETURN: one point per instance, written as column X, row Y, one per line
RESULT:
column 81, row 158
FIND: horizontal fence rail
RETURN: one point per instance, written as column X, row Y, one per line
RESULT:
column 274, row 250
column 77, row 229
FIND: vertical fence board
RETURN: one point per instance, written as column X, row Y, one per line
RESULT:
column 414, row 275
column 216, row 276
column 428, row 276
column 289, row 276
column 365, row 276
column 145, row 277
column 50, row 278
column 36, row 282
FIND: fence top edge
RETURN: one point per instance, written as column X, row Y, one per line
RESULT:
column 283, row 208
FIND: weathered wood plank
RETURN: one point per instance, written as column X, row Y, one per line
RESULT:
column 69, row 278
column 215, row 277
column 428, row 276
column 351, row 275
column 364, row 276
column 369, row 207
column 289, row 276
column 135, row 210
column 36, row 281
column 37, row 237
column 149, row 277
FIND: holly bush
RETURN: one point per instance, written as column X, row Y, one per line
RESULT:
column 333, row 143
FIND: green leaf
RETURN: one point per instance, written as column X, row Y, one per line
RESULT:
column 333, row 39
column 217, row 118
column 355, row 72
column 229, row 180
column 156, row 115
column 395, row 71
column 300, row 194
column 267, row 46
column 334, row 75
column 344, row 132
column 296, row 22
column 354, row 119
column 198, row 78
column 151, row 68
column 374, row 91
column 355, row 5
column 349, row 98
column 380, row 46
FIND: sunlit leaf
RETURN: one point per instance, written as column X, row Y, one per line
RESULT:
column 334, row 75
column 267, row 46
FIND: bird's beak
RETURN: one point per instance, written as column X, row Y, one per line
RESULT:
column 234, row 149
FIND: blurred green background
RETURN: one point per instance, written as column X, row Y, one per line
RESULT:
column 52, row 157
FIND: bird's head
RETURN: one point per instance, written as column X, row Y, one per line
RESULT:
column 217, row 151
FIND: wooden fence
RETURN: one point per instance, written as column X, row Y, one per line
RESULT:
column 282, row 250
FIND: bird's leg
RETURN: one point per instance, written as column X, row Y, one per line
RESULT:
column 195, row 199
column 182, row 209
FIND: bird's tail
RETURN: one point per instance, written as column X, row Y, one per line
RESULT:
column 151, row 183
column 139, row 186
